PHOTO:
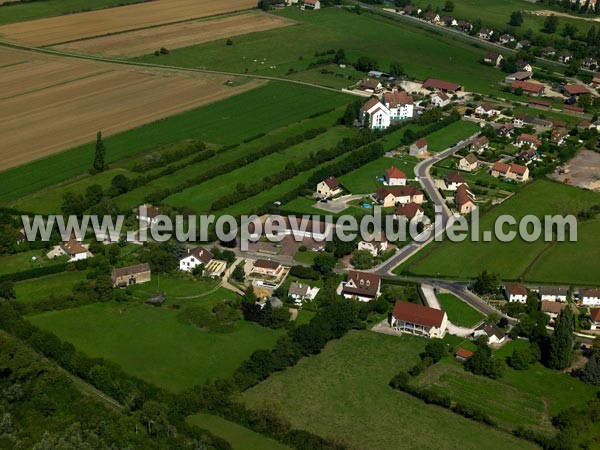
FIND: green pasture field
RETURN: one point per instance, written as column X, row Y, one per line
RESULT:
column 450, row 135
column 459, row 313
column 349, row 399
column 276, row 52
column 18, row 262
column 175, row 288
column 31, row 10
column 153, row 344
column 365, row 180
column 48, row 286
column 526, row 398
column 511, row 260
column 239, row 437
column 225, row 122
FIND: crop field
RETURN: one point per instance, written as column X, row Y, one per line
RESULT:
column 349, row 399
column 526, row 398
column 146, row 41
column 83, row 98
column 359, row 35
column 225, row 122
column 512, row 260
column 459, row 313
column 152, row 343
column 74, row 27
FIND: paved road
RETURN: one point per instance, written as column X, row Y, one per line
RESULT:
column 432, row 302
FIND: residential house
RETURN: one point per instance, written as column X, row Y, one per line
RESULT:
column 127, row 276
column 449, row 21
column 589, row 297
column 486, row 109
column 558, row 136
column 529, row 140
column 554, row 293
column 394, row 177
column 440, row 99
column 565, row 57
column 505, row 130
column 524, row 43
column 329, row 187
column 589, row 64
column 517, row 76
column 548, row 52
column 469, row 163
column 524, row 66
column 464, row 26
column 400, row 105
column 462, row 354
column 419, row 148
column 379, row 116
column 500, row 170
column 453, row 180
column 553, row 309
column 493, row 58
column 506, row 38
column 408, row 211
column 313, row 4
column 441, row 85
column 485, row 33
column 479, row 144
column 195, row 257
column 302, row 292
column 361, row 286
column 515, row 172
column 432, row 17
column 585, row 125
column 147, row 213
column 527, row 155
column 371, row 85
column 392, row 196
column 419, row 320
column 74, row 250
column 21, row 236
column 529, row 87
column 494, row 334
column 267, row 267
column 595, row 318
column 375, row 244
column 464, row 200
column 411, row 10
column 515, row 292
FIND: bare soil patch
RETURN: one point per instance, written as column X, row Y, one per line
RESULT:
column 62, row 103
column 547, row 12
column 115, row 20
column 144, row 42
column 582, row 171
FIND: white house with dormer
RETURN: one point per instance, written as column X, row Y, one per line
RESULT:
column 195, row 257
column 379, row 115
column 400, row 104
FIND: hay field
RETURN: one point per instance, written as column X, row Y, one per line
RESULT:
column 115, row 20
column 51, row 104
column 144, row 42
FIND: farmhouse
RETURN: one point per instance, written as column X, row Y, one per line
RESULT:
column 486, row 109
column 391, row 196
column 464, row 200
column 493, row 58
column 147, row 213
column 408, row 211
column 469, row 163
column 394, row 177
column 449, row 21
column 74, row 250
column 465, row 26
column 529, row 140
column 524, row 66
column 267, row 267
column 441, row 85
column 371, row 85
column 399, row 104
column 361, row 286
column 329, row 187
column 375, row 244
column 419, row 320
column 301, row 292
column 462, row 354
column 515, row 292
column 558, row 136
column 554, row 293
column 589, row 297
column 453, row 180
column 492, row 332
column 419, row 148
column 432, row 17
column 479, row 144
column 529, row 87
column 195, row 257
column 126, row 276
column 440, row 99
column 378, row 115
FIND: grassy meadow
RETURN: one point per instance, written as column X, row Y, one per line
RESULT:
column 48, row 286
column 459, row 313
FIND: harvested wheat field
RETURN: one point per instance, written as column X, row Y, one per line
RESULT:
column 115, row 20
column 9, row 57
column 144, row 42
column 41, row 114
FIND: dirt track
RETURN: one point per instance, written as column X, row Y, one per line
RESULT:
column 143, row 42
column 58, row 104
column 546, row 12
column 113, row 20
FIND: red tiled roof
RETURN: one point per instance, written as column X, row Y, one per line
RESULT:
column 518, row 169
column 398, row 191
column 500, row 167
column 574, row 108
column 408, row 210
column 540, row 103
column 332, row 182
column 463, row 353
column 528, row 86
column 397, row 98
column 421, row 143
column 516, row 289
column 369, row 104
column 576, row 89
column 454, row 177
column 365, row 283
column 393, row 172
column 463, row 196
column 432, row 83
column 548, row 306
column 266, row 264
column 203, row 255
column 417, row 314
column 590, row 292
column 595, row 313
column 72, row 247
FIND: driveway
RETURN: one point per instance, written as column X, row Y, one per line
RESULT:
column 432, row 302
column 337, row 205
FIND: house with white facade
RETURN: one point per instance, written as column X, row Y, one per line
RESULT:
column 302, row 292
column 267, row 267
column 486, row 109
column 589, row 297
column 408, row 211
column 392, row 196
column 394, row 177
column 361, row 286
column 440, row 99
column 419, row 320
column 74, row 250
column 399, row 104
column 469, row 163
column 329, row 187
column 194, row 257
column 379, row 116
column 453, row 180
column 312, row 4
column 147, row 213
column 492, row 332
column 515, row 292
column 554, row 293
column 419, row 148
column 375, row 244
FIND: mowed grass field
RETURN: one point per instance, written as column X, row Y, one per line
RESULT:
column 527, row 398
column 73, row 27
column 459, row 313
column 450, row 135
column 26, row 260
column 359, row 35
column 239, row 437
column 226, row 122
column 366, row 179
column 153, row 344
column 49, row 286
column 511, row 260
column 343, row 393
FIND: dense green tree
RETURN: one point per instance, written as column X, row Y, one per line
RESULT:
column 550, row 24
column 324, row 263
column 238, row 273
column 121, row 183
column 362, row 259
column 366, row 64
column 591, row 372
column 483, row 363
column 560, row 354
column 93, row 194
column 100, row 154
column 448, row 6
column 516, row 19
column 73, row 204
column 486, row 283
column 435, row 349
column 396, row 69
column 7, row 290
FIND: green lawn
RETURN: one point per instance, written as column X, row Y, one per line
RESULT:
column 239, row 437
column 366, row 179
column 226, row 122
column 511, row 260
column 175, row 288
column 450, row 135
column 459, row 313
column 348, row 399
column 153, row 344
column 26, row 260
column 306, row 257
column 526, row 398
column 49, row 286
column 22, row 11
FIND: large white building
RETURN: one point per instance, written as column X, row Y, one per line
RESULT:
column 194, row 258
column 419, row 320
column 590, row 297
column 379, row 115
column 400, row 104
